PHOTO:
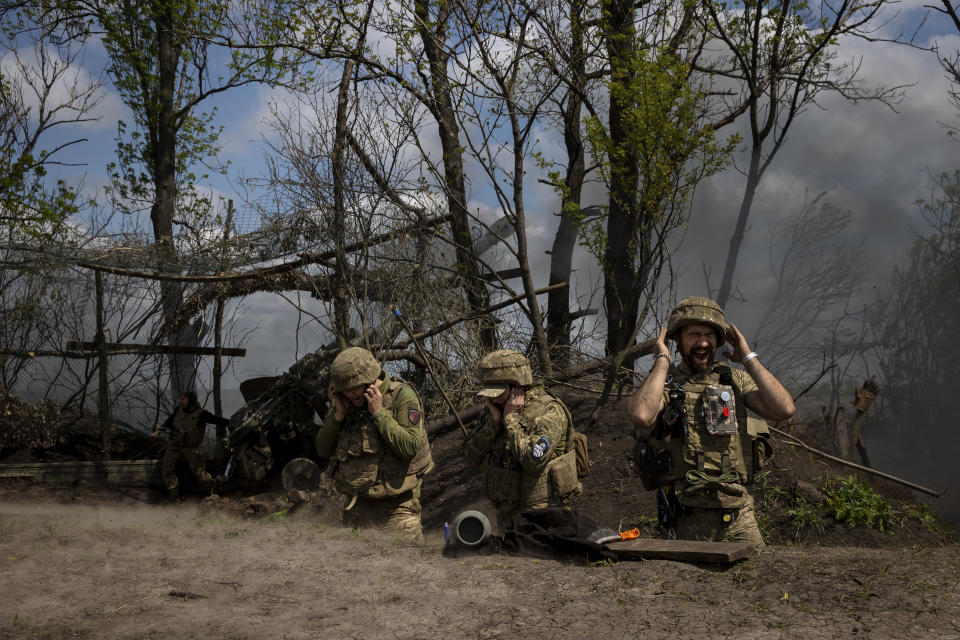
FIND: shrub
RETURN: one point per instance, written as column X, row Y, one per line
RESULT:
column 856, row 503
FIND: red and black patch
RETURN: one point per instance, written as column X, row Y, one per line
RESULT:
column 414, row 416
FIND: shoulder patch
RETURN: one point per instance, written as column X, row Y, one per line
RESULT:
column 541, row 447
column 414, row 416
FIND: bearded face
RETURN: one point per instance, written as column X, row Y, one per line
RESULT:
column 698, row 346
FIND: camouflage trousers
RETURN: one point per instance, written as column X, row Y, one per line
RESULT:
column 398, row 515
column 168, row 468
column 708, row 524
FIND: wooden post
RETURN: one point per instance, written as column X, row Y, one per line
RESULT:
column 103, row 401
column 864, row 397
column 218, row 330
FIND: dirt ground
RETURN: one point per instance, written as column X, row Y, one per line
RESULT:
column 97, row 569
column 80, row 561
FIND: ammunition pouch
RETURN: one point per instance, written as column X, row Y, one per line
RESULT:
column 562, row 477
column 387, row 489
column 502, row 480
column 713, row 494
column 356, row 475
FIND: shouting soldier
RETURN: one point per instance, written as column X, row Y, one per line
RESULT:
column 702, row 446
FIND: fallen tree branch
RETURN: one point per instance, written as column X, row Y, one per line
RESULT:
column 886, row 476
column 266, row 272
column 471, row 315
column 599, row 364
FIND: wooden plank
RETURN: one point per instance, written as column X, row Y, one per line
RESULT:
column 681, row 550
column 120, row 348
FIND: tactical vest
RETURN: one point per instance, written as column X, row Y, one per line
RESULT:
column 366, row 466
column 186, row 429
column 716, row 420
column 505, row 479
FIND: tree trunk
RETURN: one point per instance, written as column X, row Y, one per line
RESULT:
column 182, row 367
column 565, row 241
column 739, row 230
column 218, row 333
column 621, row 253
column 103, row 401
column 341, row 276
column 536, row 318
column 443, row 110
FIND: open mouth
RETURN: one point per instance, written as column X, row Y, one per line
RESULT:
column 700, row 356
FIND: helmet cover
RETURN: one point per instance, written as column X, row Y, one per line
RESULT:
column 501, row 369
column 696, row 310
column 354, row 367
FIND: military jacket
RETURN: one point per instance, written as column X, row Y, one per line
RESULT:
column 381, row 455
column 186, row 428
column 525, row 460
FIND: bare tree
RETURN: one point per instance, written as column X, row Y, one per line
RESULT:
column 42, row 90
column 782, row 55
column 814, row 311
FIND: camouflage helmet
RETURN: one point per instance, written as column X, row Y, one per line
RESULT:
column 353, row 367
column 696, row 310
column 501, row 369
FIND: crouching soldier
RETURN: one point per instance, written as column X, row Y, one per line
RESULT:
column 524, row 443
column 374, row 434
column 702, row 447
column 185, row 430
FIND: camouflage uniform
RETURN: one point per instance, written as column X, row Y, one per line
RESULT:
column 704, row 447
column 710, row 469
column 185, row 428
column 526, row 461
column 379, row 460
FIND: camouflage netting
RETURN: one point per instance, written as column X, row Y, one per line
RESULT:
column 46, row 432
column 28, row 426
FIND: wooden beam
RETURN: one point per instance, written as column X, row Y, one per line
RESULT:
column 118, row 472
column 116, row 348
column 681, row 550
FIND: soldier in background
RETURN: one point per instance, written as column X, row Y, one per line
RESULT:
column 374, row 434
column 703, row 447
column 185, row 429
column 523, row 443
